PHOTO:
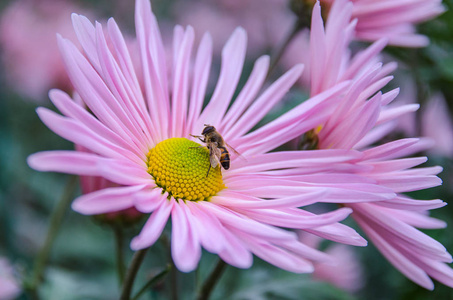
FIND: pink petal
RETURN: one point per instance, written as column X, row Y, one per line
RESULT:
column 94, row 92
column 119, row 87
column 185, row 247
column 251, row 226
column 275, row 255
column 339, row 233
column 84, row 30
column 181, row 84
column 411, row 204
column 295, row 201
column 266, row 101
column 125, row 61
column 153, row 227
column 106, row 200
column 317, row 50
column 69, row 108
column 247, row 94
column 200, row 80
column 149, row 200
column 209, row 228
column 362, row 58
column 153, row 66
column 80, row 134
column 235, row 252
column 400, row 262
column 74, row 162
column 294, row 219
column 233, row 55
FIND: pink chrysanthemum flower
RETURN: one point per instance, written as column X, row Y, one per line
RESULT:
column 138, row 127
column 394, row 20
column 360, row 120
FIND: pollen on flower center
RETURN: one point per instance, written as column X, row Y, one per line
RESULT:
column 180, row 169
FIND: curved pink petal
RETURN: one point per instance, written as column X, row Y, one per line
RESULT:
column 149, row 200
column 106, row 200
column 276, row 255
column 181, row 84
column 154, row 69
column 200, row 80
column 247, row 95
column 265, row 102
column 185, row 247
column 234, row 50
column 153, row 227
column 73, row 162
column 405, row 266
column 71, row 109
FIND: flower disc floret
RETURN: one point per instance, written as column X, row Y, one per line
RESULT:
column 179, row 166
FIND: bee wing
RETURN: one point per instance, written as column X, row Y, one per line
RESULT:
column 237, row 153
column 214, row 155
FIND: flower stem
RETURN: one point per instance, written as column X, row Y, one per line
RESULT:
column 213, row 278
column 137, row 260
column 54, row 225
column 277, row 54
column 119, row 238
column 152, row 282
column 173, row 271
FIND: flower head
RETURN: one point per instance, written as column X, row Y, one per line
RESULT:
column 138, row 129
column 362, row 118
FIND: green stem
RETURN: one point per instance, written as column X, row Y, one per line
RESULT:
column 152, row 282
column 119, row 238
column 213, row 278
column 54, row 225
column 277, row 54
column 173, row 271
column 421, row 90
column 137, row 260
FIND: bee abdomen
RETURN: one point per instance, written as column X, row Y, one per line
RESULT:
column 224, row 158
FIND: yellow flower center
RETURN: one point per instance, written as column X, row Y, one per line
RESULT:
column 179, row 166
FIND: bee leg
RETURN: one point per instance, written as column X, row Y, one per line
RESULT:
column 208, row 170
column 196, row 147
column 199, row 137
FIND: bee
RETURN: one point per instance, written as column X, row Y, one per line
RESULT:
column 215, row 143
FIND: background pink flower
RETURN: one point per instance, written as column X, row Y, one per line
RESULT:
column 29, row 45
column 266, row 21
column 9, row 285
column 344, row 271
column 437, row 124
column 434, row 122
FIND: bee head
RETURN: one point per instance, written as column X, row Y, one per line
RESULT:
column 208, row 129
